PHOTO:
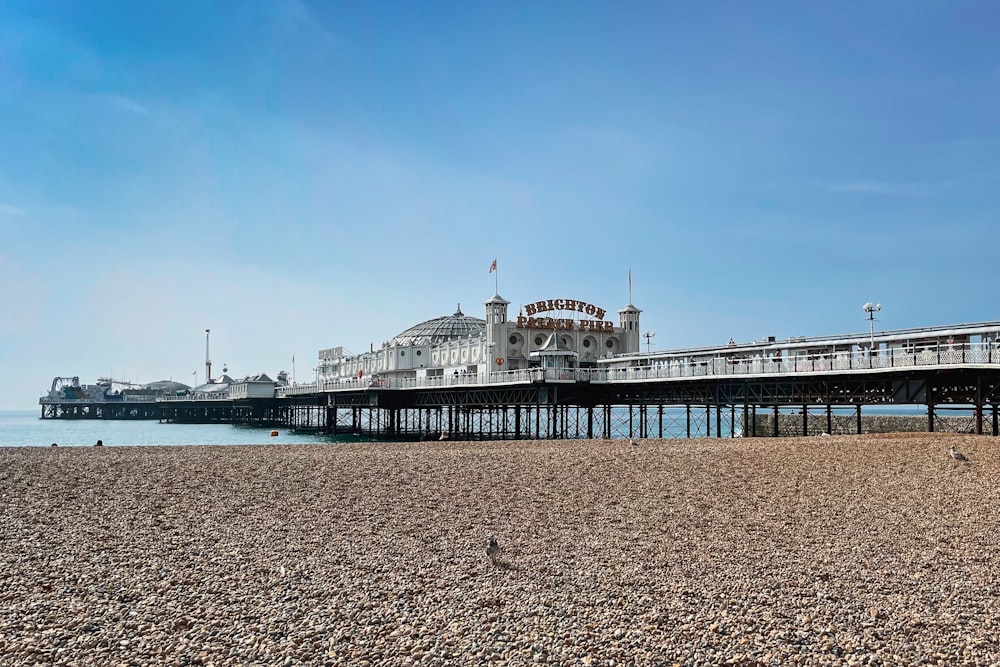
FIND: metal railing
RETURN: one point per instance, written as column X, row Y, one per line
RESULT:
column 124, row 398
column 214, row 396
column 976, row 354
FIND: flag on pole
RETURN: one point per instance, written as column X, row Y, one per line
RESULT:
column 630, row 285
column 493, row 266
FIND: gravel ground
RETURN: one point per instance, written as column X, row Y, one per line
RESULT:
column 827, row 550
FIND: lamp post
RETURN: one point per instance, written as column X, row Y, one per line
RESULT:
column 649, row 336
column 208, row 361
column 871, row 309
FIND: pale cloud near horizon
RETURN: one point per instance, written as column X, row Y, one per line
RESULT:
column 9, row 210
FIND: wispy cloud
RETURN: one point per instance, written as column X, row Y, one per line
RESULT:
column 885, row 188
column 296, row 16
column 124, row 103
column 11, row 211
column 967, row 143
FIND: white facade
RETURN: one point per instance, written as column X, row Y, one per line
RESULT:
column 459, row 344
column 255, row 386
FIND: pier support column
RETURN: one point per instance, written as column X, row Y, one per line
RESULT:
column 775, row 427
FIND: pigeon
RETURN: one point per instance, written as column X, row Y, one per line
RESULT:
column 957, row 455
column 492, row 549
column 633, row 442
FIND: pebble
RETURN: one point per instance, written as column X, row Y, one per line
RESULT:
column 860, row 550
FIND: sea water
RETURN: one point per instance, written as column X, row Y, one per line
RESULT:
column 23, row 428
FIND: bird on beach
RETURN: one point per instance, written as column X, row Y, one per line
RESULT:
column 492, row 549
column 957, row 455
column 633, row 442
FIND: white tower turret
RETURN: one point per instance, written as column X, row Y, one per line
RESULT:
column 629, row 319
column 496, row 332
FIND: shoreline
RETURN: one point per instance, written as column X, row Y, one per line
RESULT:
column 747, row 550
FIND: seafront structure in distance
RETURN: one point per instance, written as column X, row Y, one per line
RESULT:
column 549, row 333
column 566, row 368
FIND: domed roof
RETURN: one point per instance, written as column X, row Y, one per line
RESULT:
column 167, row 386
column 441, row 329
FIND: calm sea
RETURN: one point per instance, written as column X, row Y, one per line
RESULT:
column 23, row 428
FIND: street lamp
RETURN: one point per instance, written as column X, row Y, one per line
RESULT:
column 871, row 309
column 649, row 336
column 208, row 361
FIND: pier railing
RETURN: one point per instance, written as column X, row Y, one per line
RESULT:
column 974, row 354
column 122, row 398
column 214, row 396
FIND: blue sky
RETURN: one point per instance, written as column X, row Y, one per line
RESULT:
column 297, row 175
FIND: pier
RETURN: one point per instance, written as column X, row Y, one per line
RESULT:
column 768, row 388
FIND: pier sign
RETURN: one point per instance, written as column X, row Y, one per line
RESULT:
column 529, row 321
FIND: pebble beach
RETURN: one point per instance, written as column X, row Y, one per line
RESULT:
column 876, row 549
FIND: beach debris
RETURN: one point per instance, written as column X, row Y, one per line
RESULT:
column 492, row 549
column 633, row 442
column 957, row 455
column 99, row 443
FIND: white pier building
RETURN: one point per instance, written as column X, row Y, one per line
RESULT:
column 550, row 334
